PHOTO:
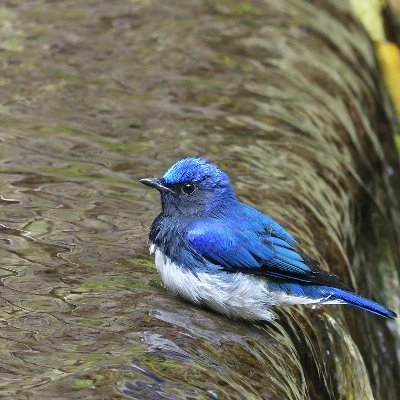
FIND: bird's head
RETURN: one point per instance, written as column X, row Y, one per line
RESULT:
column 193, row 186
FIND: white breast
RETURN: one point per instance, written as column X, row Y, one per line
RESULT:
column 234, row 294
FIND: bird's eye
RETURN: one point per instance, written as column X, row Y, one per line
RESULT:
column 188, row 188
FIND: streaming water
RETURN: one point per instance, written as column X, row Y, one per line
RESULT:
column 97, row 94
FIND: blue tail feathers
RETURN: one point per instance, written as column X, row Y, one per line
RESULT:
column 330, row 293
column 355, row 300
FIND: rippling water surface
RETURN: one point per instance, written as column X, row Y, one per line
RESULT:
column 97, row 94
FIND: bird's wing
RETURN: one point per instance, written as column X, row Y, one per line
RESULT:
column 269, row 253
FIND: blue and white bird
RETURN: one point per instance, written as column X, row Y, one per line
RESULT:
column 217, row 252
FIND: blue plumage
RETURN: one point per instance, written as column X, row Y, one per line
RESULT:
column 214, row 250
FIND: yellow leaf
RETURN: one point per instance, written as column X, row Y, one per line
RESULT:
column 389, row 57
column 369, row 12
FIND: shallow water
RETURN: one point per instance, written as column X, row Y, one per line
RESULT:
column 97, row 94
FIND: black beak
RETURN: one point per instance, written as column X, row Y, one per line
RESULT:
column 155, row 183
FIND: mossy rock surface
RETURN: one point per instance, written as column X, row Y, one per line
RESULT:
column 284, row 95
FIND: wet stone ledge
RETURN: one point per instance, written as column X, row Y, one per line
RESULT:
column 286, row 96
